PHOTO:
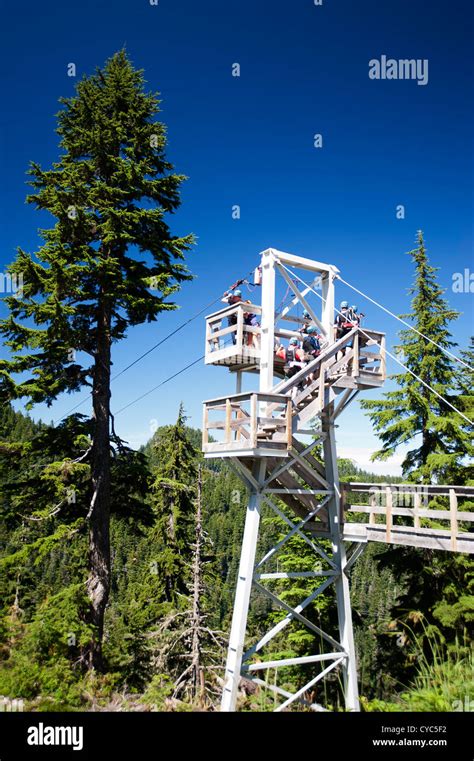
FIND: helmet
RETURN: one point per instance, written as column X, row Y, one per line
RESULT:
column 344, row 304
column 293, row 341
column 354, row 309
column 237, row 293
column 306, row 315
column 311, row 329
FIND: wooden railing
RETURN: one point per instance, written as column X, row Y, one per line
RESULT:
column 247, row 422
column 224, row 340
column 356, row 355
column 411, row 514
column 353, row 362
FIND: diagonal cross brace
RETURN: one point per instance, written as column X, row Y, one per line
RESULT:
column 293, row 613
column 309, row 684
column 314, row 546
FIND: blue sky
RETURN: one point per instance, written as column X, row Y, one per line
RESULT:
column 248, row 141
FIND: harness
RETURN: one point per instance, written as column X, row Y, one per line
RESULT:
column 344, row 322
column 292, row 359
column 311, row 345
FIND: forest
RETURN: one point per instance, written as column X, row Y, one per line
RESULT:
column 118, row 566
column 172, row 588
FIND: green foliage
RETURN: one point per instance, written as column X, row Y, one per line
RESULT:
column 159, row 690
column 413, row 409
column 110, row 190
column 375, row 592
column 46, row 654
column 146, row 640
column 443, row 681
column 109, row 263
column 173, row 493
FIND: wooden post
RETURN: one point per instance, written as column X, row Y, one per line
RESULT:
column 253, row 420
column 388, row 512
column 383, row 358
column 209, row 346
column 289, row 423
column 453, row 509
column 238, row 431
column 372, row 504
column 416, row 509
column 355, row 360
column 205, row 426
column 240, row 331
column 322, row 378
column 327, row 315
column 228, row 419
column 267, row 329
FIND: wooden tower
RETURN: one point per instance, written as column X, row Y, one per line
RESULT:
column 268, row 437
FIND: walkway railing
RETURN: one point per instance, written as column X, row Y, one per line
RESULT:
column 438, row 517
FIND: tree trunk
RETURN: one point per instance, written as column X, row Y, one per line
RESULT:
column 98, row 583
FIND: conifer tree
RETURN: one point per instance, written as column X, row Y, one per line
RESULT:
column 464, row 401
column 173, row 501
column 413, row 409
column 108, row 263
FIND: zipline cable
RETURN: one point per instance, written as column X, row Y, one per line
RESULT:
column 404, row 322
column 427, row 385
column 155, row 346
column 162, row 341
column 171, row 377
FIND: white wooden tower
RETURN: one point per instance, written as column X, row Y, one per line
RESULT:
column 268, row 436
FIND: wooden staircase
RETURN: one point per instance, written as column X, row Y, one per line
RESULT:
column 258, row 425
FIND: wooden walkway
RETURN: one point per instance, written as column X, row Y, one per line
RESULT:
column 434, row 517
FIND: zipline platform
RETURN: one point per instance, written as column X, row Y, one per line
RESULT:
column 280, row 440
column 256, row 424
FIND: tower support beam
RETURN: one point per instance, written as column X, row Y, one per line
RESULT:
column 242, row 594
column 344, row 611
column 309, row 488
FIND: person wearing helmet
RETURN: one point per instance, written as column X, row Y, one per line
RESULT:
column 288, row 354
column 234, row 297
column 343, row 324
column 231, row 298
column 311, row 345
column 307, row 321
column 356, row 316
column 294, row 360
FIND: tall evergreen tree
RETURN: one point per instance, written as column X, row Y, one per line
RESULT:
column 434, row 584
column 110, row 192
column 173, row 501
column 463, row 472
column 412, row 409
